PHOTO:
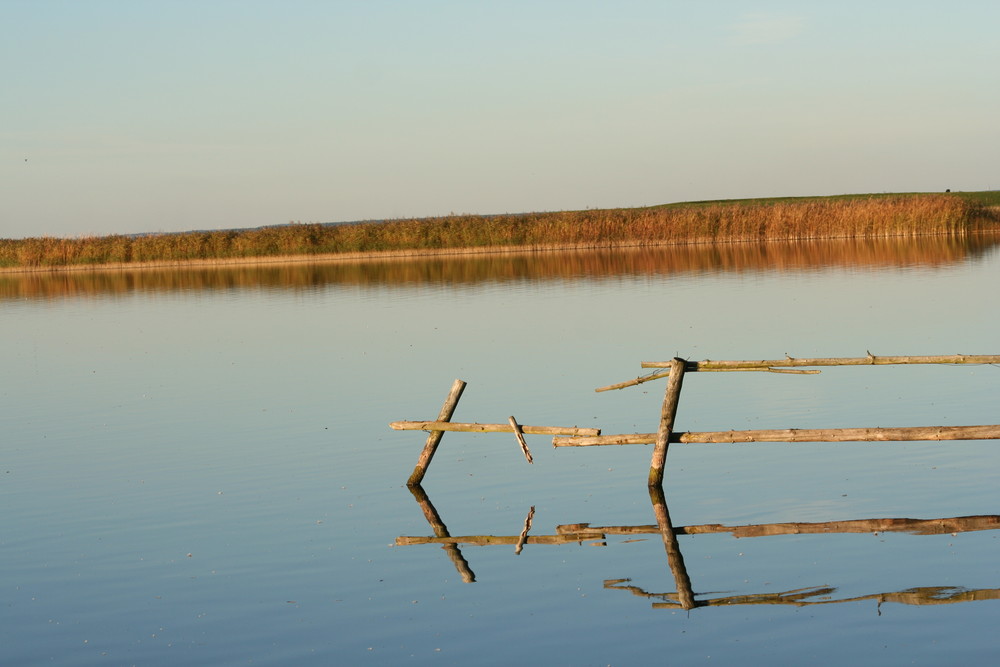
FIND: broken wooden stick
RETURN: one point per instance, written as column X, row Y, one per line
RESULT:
column 519, row 434
column 657, row 376
column 523, row 537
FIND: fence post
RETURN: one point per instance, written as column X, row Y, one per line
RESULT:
column 667, row 414
column 447, row 410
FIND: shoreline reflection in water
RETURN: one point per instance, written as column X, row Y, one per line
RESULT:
column 500, row 267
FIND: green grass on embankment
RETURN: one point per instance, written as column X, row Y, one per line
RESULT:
column 784, row 218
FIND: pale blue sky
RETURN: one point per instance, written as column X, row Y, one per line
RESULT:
column 136, row 116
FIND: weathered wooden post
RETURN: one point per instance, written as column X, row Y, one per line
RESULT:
column 434, row 437
column 667, row 414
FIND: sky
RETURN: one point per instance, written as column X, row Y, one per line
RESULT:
column 131, row 116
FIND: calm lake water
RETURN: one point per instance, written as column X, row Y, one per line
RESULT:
column 196, row 466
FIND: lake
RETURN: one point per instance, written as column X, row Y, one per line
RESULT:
column 196, row 465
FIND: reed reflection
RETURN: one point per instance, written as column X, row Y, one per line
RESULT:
column 683, row 596
column 928, row 251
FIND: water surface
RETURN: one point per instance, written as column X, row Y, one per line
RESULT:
column 196, row 465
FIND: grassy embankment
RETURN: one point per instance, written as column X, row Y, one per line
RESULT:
column 849, row 216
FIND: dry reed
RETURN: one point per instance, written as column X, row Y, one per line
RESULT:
column 809, row 218
column 471, row 269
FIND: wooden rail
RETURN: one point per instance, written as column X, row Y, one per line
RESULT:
column 490, row 428
column 874, row 434
column 790, row 362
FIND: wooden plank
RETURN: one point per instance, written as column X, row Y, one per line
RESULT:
column 490, row 428
column 874, row 434
column 447, row 410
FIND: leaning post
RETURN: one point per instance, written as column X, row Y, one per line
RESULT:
column 447, row 410
column 667, row 414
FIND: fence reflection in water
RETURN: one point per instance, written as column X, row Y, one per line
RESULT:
column 684, row 596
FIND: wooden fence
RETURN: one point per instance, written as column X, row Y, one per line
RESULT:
column 676, row 370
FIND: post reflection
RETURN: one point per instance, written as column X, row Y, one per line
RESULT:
column 684, row 596
column 441, row 530
column 674, row 557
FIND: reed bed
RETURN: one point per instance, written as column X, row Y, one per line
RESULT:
column 760, row 220
column 472, row 269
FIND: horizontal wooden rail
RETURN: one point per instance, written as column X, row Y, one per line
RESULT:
column 488, row 540
column 899, row 434
column 491, row 428
column 789, row 362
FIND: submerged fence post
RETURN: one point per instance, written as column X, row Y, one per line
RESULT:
column 447, row 410
column 667, row 414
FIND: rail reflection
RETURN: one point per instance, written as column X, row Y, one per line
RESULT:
column 683, row 596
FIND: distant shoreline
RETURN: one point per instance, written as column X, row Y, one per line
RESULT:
column 327, row 258
column 728, row 221
column 411, row 255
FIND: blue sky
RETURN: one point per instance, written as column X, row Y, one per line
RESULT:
column 139, row 116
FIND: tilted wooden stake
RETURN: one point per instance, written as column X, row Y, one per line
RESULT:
column 519, row 434
column 447, row 410
column 667, row 414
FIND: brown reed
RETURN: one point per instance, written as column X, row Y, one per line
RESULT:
column 701, row 222
column 469, row 269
